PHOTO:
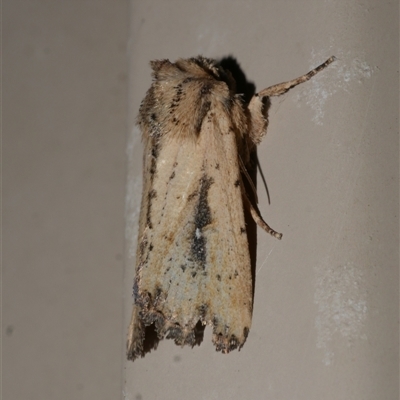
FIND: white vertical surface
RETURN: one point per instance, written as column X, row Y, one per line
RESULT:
column 325, row 321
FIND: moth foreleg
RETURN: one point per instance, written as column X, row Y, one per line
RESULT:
column 259, row 103
column 281, row 88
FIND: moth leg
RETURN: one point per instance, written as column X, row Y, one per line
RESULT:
column 258, row 219
column 259, row 103
column 281, row 88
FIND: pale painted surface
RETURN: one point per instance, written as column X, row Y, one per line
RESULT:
column 325, row 323
column 326, row 297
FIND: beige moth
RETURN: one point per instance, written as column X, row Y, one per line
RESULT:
column 192, row 261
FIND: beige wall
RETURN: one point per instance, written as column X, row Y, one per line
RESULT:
column 64, row 106
column 326, row 297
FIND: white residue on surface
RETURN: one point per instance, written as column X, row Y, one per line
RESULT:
column 338, row 76
column 341, row 299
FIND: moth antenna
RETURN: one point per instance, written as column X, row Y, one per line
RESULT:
column 263, row 179
column 246, row 174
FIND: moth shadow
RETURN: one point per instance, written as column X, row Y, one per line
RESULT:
column 244, row 87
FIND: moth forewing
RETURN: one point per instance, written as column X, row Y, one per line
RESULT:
column 192, row 262
column 228, row 263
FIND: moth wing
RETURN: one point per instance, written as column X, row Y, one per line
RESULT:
column 193, row 259
column 229, row 260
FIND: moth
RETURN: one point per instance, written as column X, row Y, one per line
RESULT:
column 192, row 261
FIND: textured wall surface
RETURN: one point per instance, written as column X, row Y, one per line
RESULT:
column 326, row 296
